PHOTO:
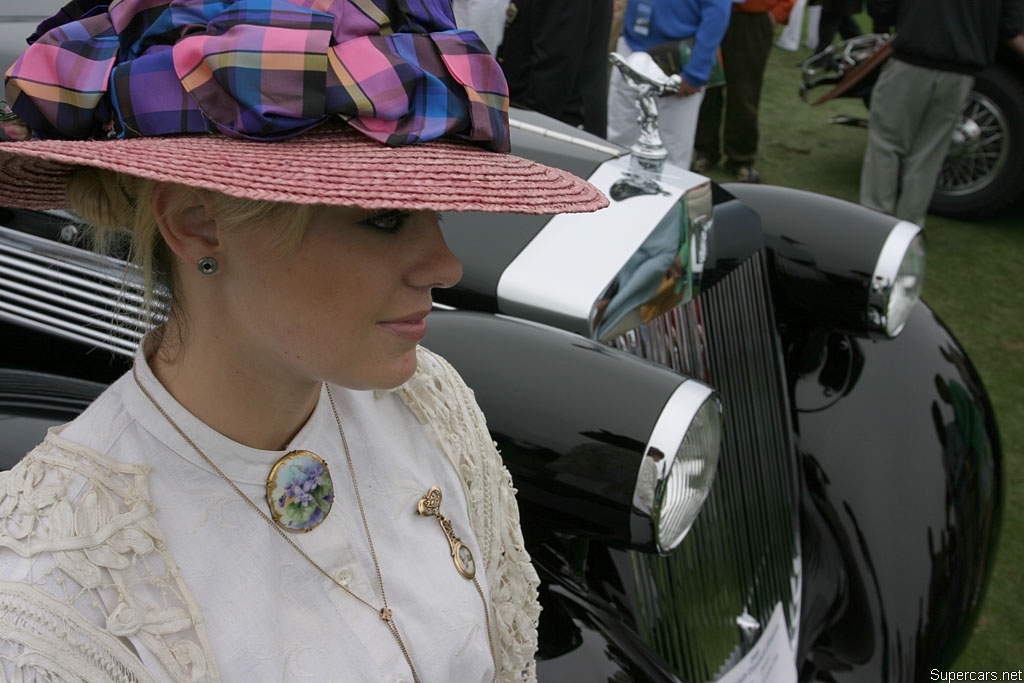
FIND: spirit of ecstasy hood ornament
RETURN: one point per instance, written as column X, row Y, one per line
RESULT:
column 648, row 82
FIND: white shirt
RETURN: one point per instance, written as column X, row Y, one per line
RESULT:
column 269, row 614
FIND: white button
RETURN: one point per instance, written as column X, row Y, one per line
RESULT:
column 343, row 575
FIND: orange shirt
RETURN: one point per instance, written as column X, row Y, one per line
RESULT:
column 779, row 8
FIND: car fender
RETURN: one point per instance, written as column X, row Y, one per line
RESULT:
column 901, row 465
column 554, row 403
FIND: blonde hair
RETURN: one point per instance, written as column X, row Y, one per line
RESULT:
column 119, row 218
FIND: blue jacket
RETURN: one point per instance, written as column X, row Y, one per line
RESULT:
column 647, row 23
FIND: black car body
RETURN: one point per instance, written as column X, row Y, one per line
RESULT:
column 983, row 172
column 848, row 532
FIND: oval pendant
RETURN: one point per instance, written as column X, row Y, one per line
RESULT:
column 300, row 492
column 464, row 561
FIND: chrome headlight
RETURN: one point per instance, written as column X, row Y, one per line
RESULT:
column 898, row 278
column 835, row 264
column 680, row 462
column 602, row 445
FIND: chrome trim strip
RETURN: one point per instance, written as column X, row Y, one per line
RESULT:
column 38, row 294
column 73, row 293
column 73, row 257
column 59, row 327
column 563, row 137
column 89, row 318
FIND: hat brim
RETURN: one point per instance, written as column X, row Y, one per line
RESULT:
column 323, row 166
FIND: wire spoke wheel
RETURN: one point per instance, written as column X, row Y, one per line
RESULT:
column 979, row 149
column 984, row 169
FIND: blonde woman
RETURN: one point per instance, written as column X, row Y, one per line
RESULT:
column 285, row 486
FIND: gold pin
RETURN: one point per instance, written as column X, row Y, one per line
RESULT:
column 430, row 506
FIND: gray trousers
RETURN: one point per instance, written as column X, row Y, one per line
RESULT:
column 913, row 113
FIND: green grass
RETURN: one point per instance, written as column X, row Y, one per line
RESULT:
column 974, row 281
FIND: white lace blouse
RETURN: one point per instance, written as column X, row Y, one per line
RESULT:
column 123, row 557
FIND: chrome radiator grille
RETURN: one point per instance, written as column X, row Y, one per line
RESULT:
column 69, row 292
column 702, row 607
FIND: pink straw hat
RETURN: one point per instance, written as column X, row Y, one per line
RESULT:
column 343, row 104
column 323, row 166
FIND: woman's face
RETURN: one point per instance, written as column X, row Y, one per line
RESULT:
column 347, row 305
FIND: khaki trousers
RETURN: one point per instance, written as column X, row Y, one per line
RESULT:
column 914, row 111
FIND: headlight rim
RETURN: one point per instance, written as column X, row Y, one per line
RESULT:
column 667, row 438
column 904, row 240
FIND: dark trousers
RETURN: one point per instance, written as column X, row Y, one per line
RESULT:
column 837, row 17
column 729, row 113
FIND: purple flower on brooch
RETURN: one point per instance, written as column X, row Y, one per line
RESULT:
column 300, row 491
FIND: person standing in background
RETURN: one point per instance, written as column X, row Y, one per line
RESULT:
column 789, row 39
column 813, row 22
column 651, row 23
column 485, row 17
column 728, row 115
column 555, row 59
column 915, row 105
column 618, row 10
column 837, row 17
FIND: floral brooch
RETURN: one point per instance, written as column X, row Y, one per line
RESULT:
column 300, row 492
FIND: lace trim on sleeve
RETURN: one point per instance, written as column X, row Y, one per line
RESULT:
column 58, row 641
column 438, row 397
column 84, row 567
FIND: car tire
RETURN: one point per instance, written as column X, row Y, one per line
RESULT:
column 984, row 170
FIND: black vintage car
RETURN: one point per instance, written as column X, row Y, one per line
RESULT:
column 983, row 172
column 744, row 449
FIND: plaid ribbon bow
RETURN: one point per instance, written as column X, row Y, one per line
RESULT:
column 398, row 71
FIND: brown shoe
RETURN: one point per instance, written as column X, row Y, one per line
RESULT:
column 747, row 174
column 701, row 164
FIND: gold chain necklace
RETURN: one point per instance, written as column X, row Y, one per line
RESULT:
column 384, row 611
